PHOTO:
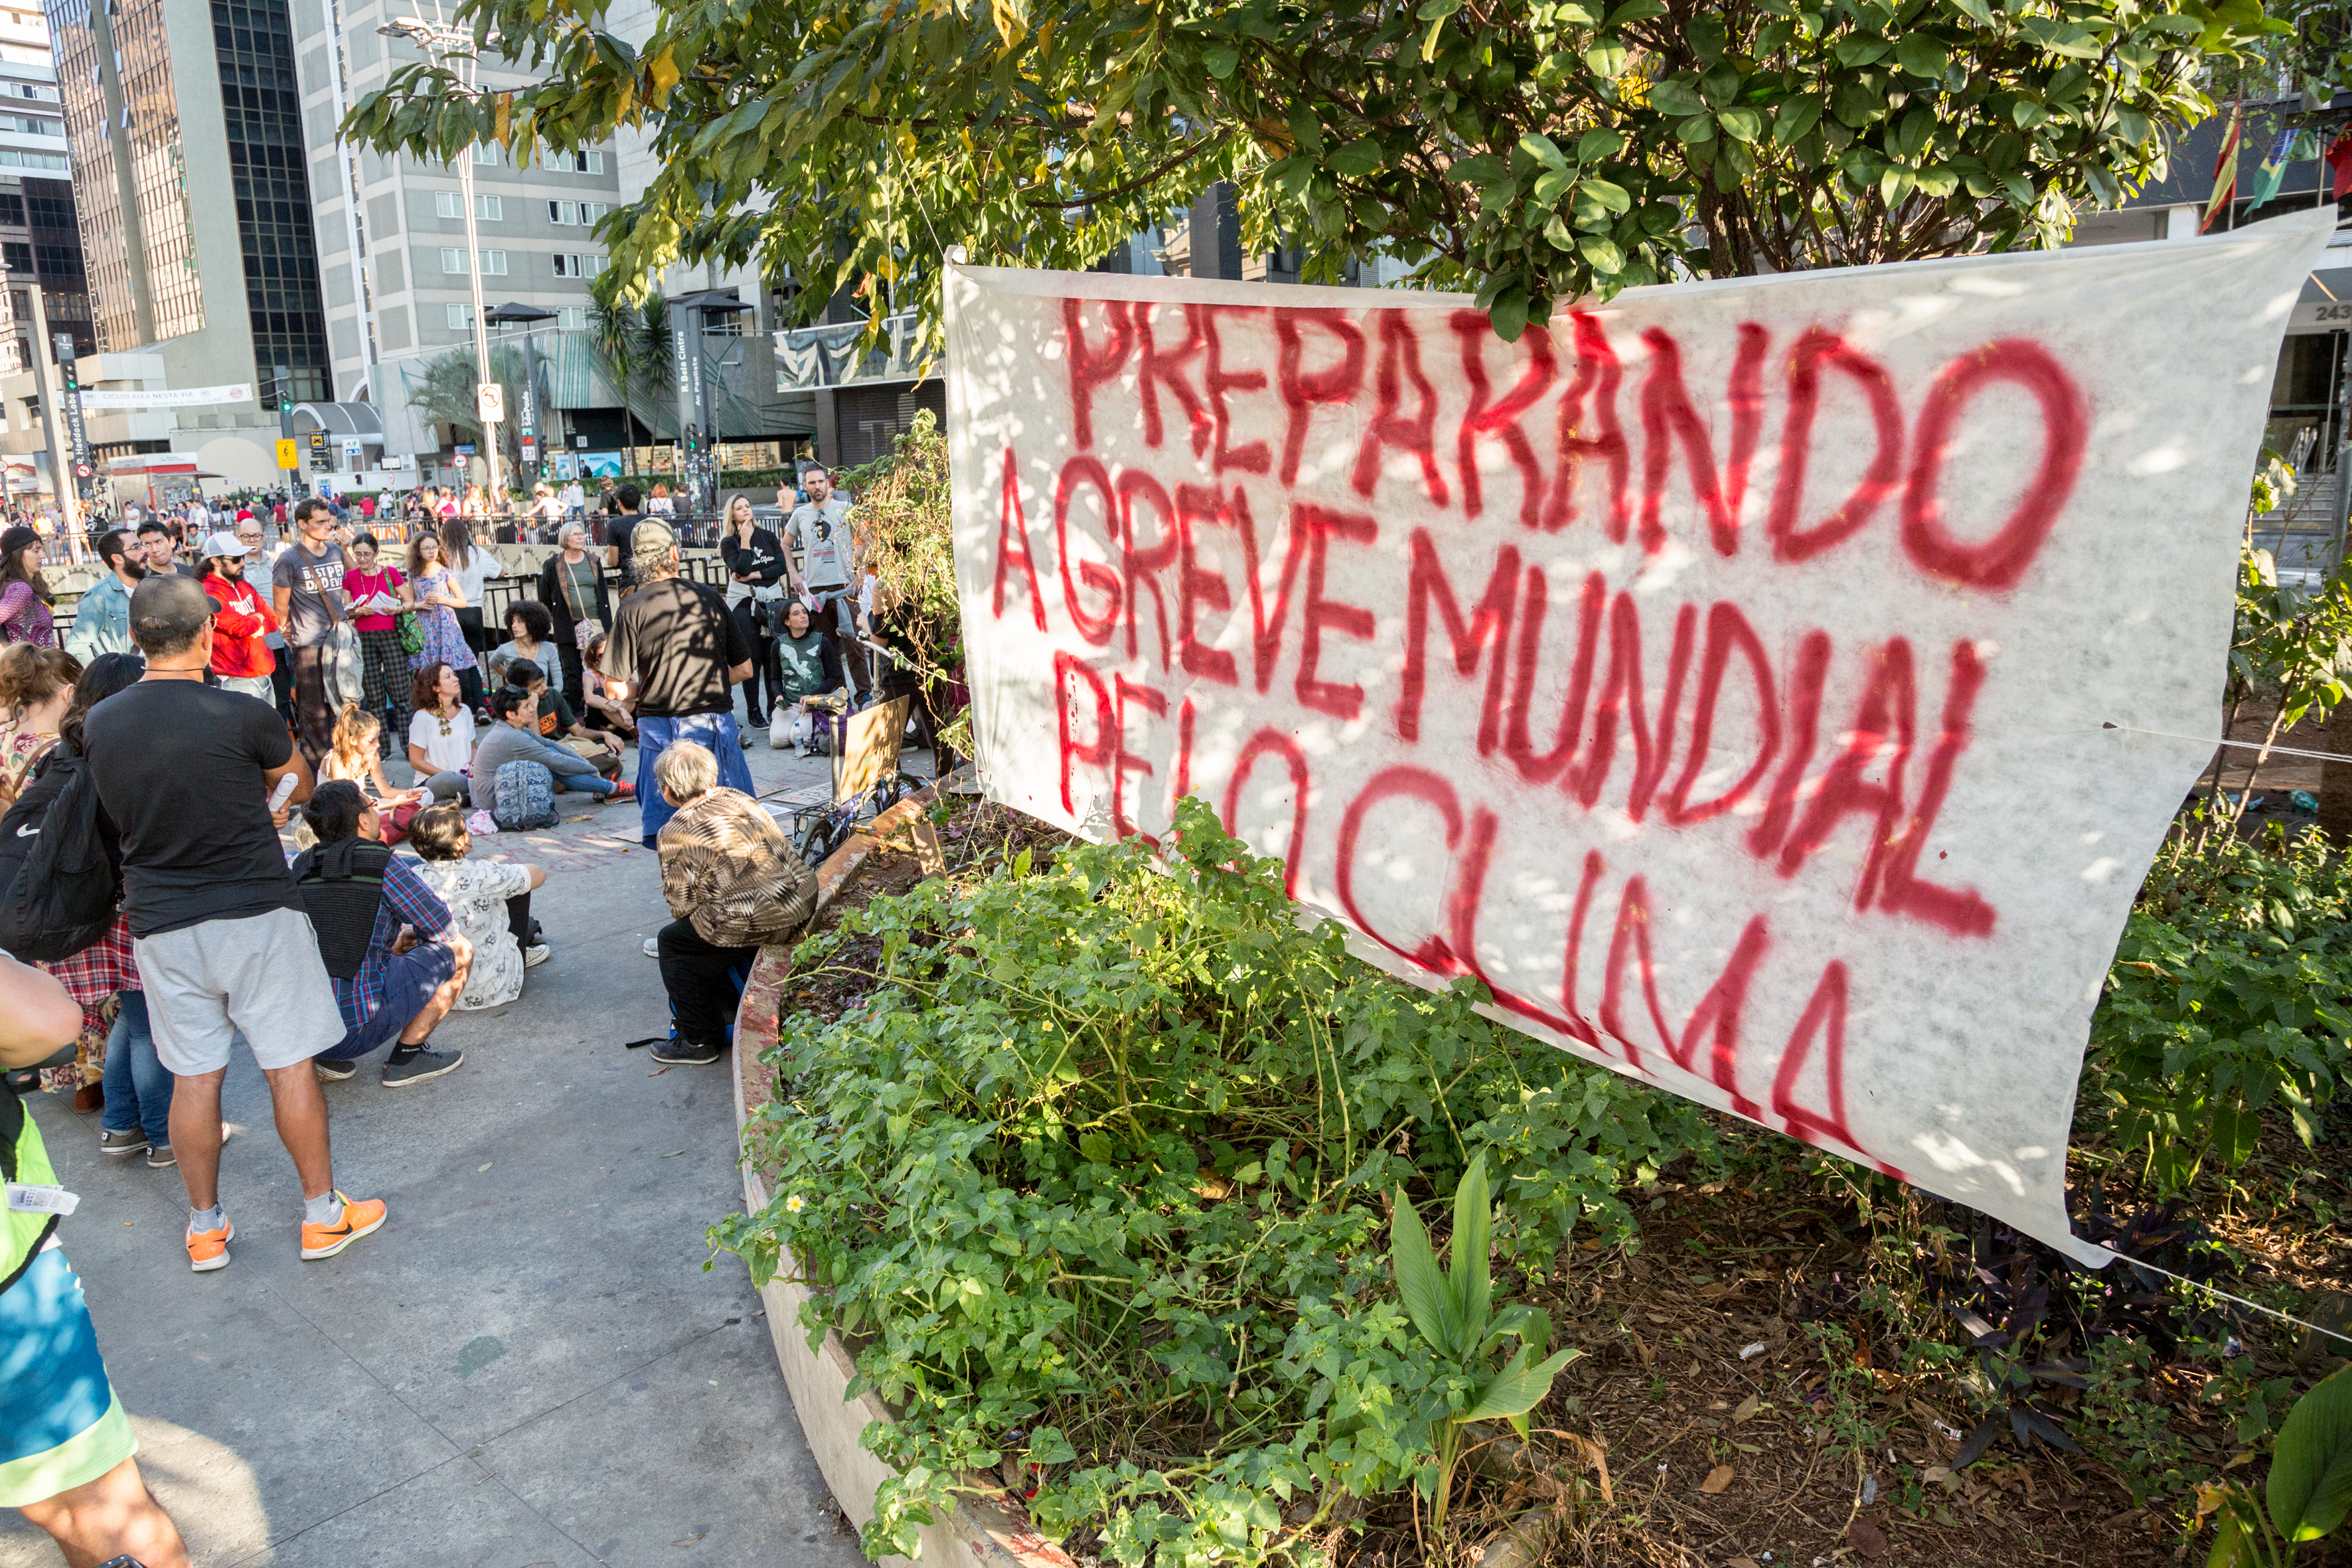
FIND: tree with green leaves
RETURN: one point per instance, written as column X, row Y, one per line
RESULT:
column 1532, row 150
column 444, row 394
column 632, row 343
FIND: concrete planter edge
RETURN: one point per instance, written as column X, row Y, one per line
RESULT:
column 992, row 1531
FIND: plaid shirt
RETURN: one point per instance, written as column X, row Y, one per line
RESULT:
column 406, row 902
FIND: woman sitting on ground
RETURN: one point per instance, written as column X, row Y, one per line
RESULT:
column 615, row 714
column 354, row 754
column 490, row 901
column 441, row 734
column 807, row 678
column 733, row 885
column 530, row 632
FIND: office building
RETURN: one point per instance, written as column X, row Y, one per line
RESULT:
column 198, row 269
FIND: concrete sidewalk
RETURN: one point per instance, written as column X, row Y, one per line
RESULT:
column 530, row 1365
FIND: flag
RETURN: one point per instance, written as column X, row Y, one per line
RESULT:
column 2339, row 159
column 2225, row 172
column 2273, row 170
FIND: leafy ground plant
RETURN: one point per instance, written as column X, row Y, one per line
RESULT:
column 1453, row 1310
column 1096, row 1177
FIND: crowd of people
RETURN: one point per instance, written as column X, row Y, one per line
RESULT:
column 214, row 690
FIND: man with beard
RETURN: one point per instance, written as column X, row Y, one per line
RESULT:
column 102, row 619
column 241, row 620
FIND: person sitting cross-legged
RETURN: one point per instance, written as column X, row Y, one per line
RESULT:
column 397, row 960
column 490, row 901
column 732, row 884
column 514, row 737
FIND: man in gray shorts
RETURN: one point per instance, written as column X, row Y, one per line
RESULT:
column 186, row 772
column 819, row 533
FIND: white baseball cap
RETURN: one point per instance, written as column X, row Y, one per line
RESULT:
column 225, row 543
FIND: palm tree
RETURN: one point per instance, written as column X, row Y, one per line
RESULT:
column 444, row 396
column 633, row 344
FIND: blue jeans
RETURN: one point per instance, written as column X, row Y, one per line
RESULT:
column 716, row 732
column 138, row 1089
column 572, row 770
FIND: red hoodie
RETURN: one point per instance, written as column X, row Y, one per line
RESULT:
column 239, row 627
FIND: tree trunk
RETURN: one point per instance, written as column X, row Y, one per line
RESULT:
column 2335, row 778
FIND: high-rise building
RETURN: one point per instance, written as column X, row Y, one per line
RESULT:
column 196, row 260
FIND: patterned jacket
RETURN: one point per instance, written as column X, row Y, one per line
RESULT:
column 729, row 871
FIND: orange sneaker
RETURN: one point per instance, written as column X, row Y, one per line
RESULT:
column 208, row 1249
column 361, row 1218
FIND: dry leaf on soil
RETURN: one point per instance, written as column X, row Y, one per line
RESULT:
column 1746, row 1409
column 1866, row 1538
column 1716, row 1480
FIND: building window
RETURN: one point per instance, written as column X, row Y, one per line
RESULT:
column 564, row 212
column 489, row 209
column 573, row 265
column 446, row 205
column 19, row 256
column 461, row 318
column 494, row 264
column 252, row 54
column 453, row 259
column 589, row 161
column 12, row 209
column 490, row 152
column 572, row 319
column 28, row 125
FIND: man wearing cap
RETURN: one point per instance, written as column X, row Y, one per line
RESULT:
column 676, row 653
column 241, row 654
column 101, row 621
column 186, row 773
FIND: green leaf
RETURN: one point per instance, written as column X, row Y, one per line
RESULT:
column 1519, row 1387
column 2310, row 1486
column 1675, row 96
column 1602, row 253
column 1357, row 160
column 1597, row 143
column 1474, row 1220
column 1048, row 1446
column 1635, row 11
column 1856, row 49
column 1484, row 169
column 1696, row 128
column 1222, row 62
column 1607, row 57
column 1551, row 185
column 1977, row 10
column 1508, row 315
column 1706, row 36
column 1607, row 194
column 1420, row 1286
column 1741, row 124
column 1543, row 150
column 1921, row 56
column 1796, row 117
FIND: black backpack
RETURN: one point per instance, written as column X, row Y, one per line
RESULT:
column 342, row 886
column 58, row 883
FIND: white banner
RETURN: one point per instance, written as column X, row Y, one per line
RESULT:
column 1749, row 681
column 182, row 397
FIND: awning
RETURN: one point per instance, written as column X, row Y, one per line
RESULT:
column 358, row 419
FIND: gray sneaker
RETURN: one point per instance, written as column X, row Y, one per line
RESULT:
column 534, row 955
column 161, row 1158
column 683, row 1052
column 334, row 1072
column 420, row 1066
column 128, row 1142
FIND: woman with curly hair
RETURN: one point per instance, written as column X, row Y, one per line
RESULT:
column 36, row 688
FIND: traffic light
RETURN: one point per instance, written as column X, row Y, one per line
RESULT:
column 72, row 374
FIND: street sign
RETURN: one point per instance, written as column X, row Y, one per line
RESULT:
column 490, row 401
column 465, row 451
column 319, row 447
column 285, row 457
column 82, row 470
column 531, row 449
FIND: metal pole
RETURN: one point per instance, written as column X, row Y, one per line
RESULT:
column 53, row 425
column 2343, row 451
column 474, row 273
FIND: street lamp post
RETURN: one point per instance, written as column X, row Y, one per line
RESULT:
column 442, row 42
column 512, row 313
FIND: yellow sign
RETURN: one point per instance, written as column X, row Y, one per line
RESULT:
column 286, row 459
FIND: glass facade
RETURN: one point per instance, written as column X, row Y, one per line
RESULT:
column 58, row 260
column 268, row 171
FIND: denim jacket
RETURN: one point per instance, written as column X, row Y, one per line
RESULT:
column 101, row 622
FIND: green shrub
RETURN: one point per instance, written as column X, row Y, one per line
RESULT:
column 1093, row 1176
column 2227, row 1007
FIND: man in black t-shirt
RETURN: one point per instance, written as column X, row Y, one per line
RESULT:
column 676, row 653
column 619, row 530
column 185, row 771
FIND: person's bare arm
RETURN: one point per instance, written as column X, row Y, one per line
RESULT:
column 37, row 1017
column 281, row 599
column 304, row 782
column 421, row 763
column 538, row 876
column 737, row 674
